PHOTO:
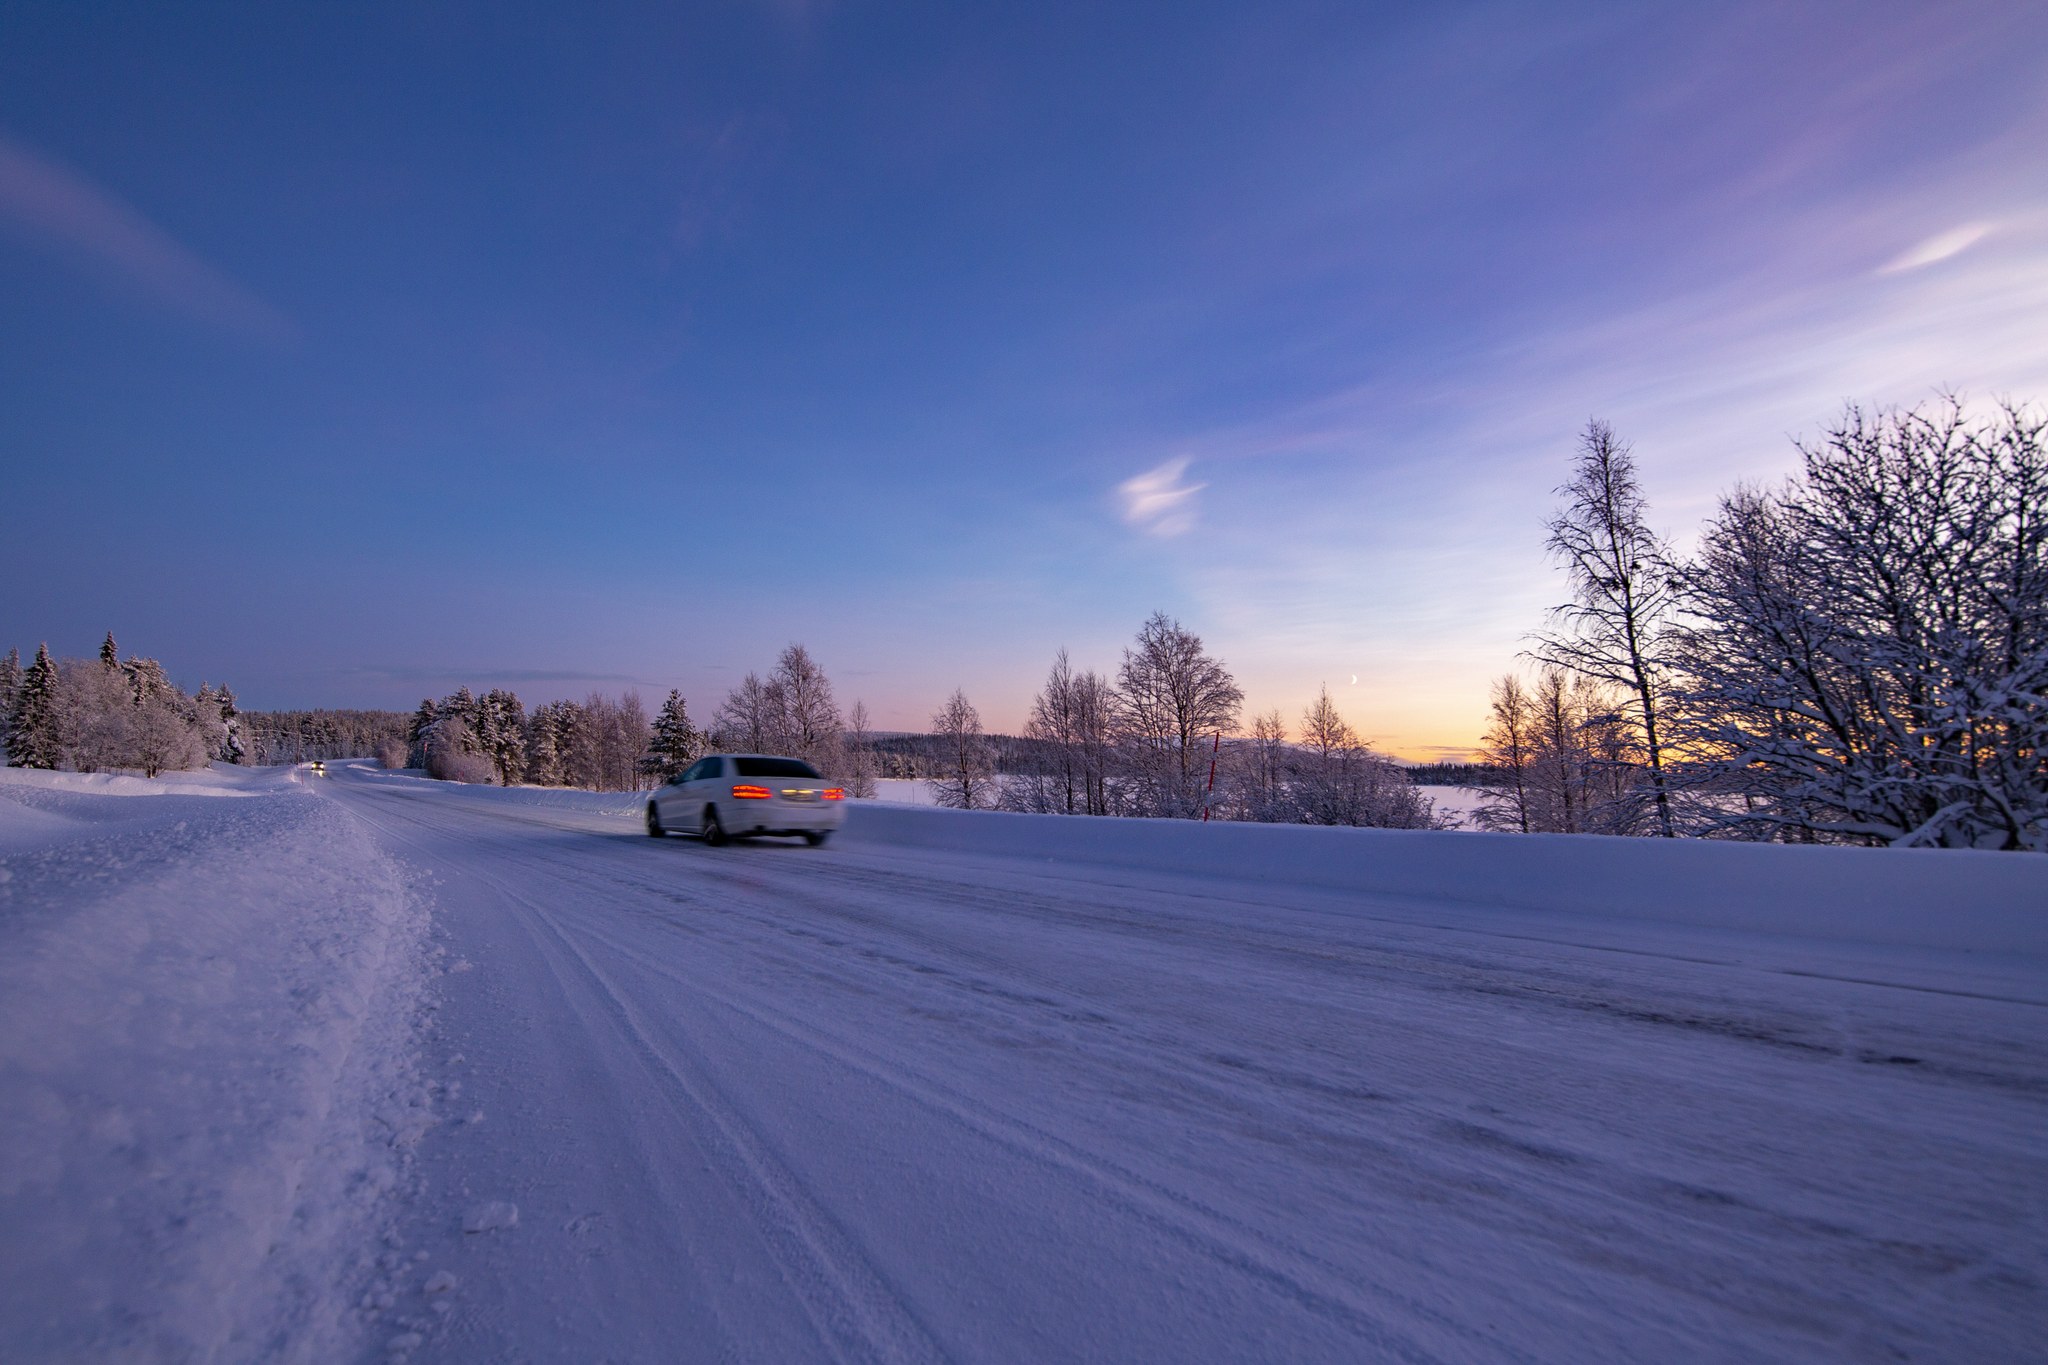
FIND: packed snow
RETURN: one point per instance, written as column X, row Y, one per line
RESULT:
column 380, row 1068
column 208, row 1080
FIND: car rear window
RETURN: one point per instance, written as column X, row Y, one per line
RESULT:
column 774, row 767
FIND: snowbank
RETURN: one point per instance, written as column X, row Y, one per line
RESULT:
column 206, row 1083
column 547, row 798
column 1941, row 899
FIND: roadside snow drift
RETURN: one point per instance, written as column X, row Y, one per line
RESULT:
column 205, row 1072
column 1921, row 898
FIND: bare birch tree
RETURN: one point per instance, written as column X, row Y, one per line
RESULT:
column 1171, row 697
column 860, row 753
column 1508, row 748
column 1613, row 628
column 809, row 725
column 966, row 780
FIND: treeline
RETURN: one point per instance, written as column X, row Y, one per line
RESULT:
column 601, row 743
column 610, row 744
column 110, row 714
column 1453, row 774
column 301, row 736
column 1858, row 655
column 1161, row 738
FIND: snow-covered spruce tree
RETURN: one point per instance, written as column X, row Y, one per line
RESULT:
column 860, row 753
column 1172, row 698
column 501, row 734
column 233, row 745
column 1868, row 649
column 33, row 739
column 1614, row 628
column 605, row 741
column 416, row 730
column 810, row 725
column 674, row 743
column 110, row 654
column 548, row 731
column 966, row 779
column 10, row 690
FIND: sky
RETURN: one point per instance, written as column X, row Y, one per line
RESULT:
column 352, row 353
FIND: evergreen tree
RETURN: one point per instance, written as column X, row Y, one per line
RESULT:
column 501, row 730
column 110, row 657
column 676, row 743
column 10, row 689
column 232, row 749
column 543, row 754
column 33, row 741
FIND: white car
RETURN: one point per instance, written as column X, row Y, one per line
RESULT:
column 731, row 796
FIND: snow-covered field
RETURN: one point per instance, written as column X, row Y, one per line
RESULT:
column 1456, row 801
column 1006, row 1088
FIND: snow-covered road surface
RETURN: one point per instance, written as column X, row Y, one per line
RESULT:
column 385, row 1069
column 867, row 1103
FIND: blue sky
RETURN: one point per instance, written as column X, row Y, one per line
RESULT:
column 349, row 356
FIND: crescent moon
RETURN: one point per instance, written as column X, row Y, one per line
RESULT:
column 1354, row 680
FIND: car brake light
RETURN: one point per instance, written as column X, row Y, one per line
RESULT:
column 746, row 791
column 835, row 793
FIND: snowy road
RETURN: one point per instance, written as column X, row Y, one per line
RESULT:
column 861, row 1103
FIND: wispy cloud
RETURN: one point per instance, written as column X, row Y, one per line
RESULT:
column 1157, row 502
column 1939, row 247
column 75, row 216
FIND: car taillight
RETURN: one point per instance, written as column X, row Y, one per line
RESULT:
column 746, row 791
column 835, row 793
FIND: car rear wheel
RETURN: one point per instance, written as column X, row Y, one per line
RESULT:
column 816, row 836
column 654, row 821
column 714, row 833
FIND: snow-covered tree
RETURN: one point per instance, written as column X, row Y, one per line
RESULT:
column 966, row 779
column 1614, row 628
column 1868, row 651
column 809, row 726
column 34, row 741
column 416, row 731
column 1171, row 698
column 675, row 743
column 1331, row 777
column 860, row 753
column 10, row 690
column 1068, row 730
column 501, row 734
column 110, row 655
column 163, row 736
column 98, row 712
column 1509, row 748
column 750, row 718
column 233, row 745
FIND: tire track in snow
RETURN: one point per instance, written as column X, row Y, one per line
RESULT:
column 856, row 1313
column 1290, row 1270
